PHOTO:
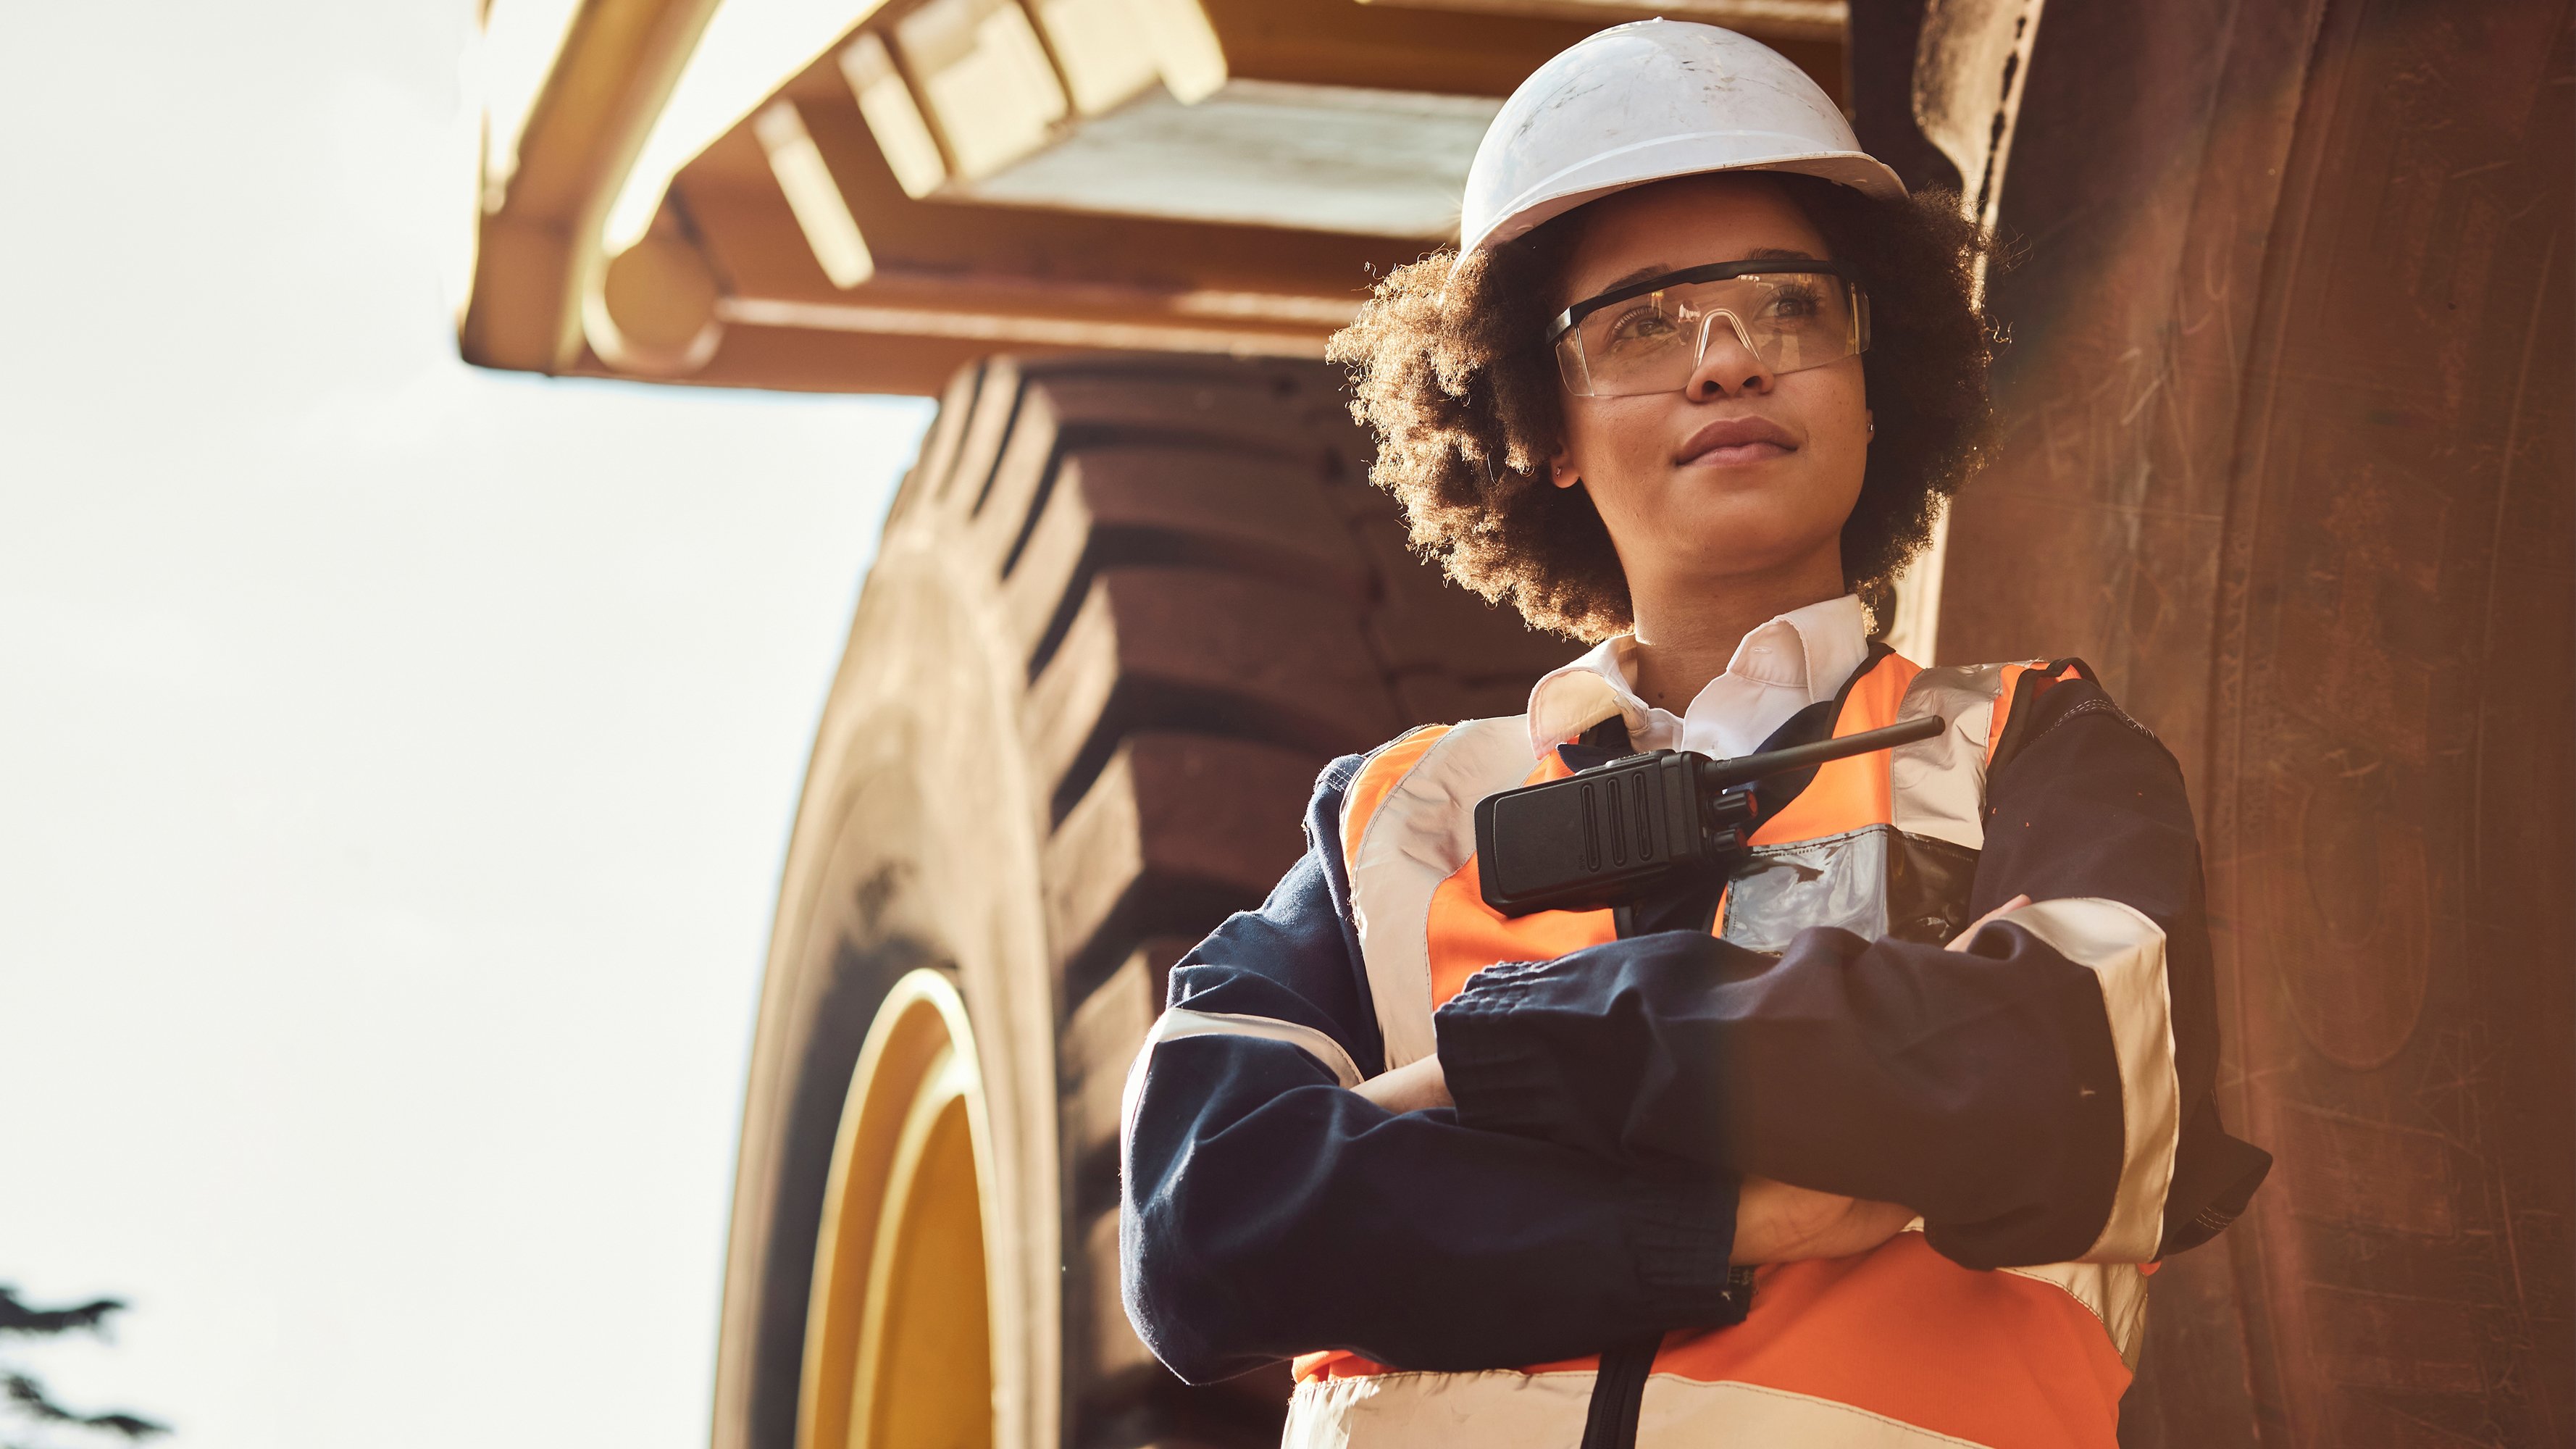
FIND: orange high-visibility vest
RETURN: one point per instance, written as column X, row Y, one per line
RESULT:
column 1898, row 1346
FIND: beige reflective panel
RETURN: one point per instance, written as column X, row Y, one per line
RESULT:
column 1502, row 1409
column 2126, row 953
column 1940, row 783
column 1497, row 1409
column 1180, row 1022
column 2115, row 1293
column 1422, row 832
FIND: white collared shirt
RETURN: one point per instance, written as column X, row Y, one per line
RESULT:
column 1791, row 662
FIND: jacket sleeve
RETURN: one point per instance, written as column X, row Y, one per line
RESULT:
column 2043, row 1096
column 1268, row 1211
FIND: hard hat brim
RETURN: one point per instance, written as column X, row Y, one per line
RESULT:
column 1668, row 158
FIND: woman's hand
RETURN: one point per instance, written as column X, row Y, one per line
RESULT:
column 1777, row 1223
column 1774, row 1222
column 1414, row 1088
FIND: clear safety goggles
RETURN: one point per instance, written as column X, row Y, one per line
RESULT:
column 1650, row 336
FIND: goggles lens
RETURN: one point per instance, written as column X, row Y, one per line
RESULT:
column 1652, row 341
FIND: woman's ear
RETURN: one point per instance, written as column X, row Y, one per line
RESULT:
column 1560, row 469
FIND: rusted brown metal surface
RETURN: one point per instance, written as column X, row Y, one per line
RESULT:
column 2291, row 411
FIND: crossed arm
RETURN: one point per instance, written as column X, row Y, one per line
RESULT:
column 1774, row 1221
column 1627, row 1120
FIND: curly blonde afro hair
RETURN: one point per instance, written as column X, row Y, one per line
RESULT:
column 1451, row 369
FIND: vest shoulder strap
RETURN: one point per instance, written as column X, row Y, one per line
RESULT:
column 1937, row 787
column 1939, row 784
column 1409, row 823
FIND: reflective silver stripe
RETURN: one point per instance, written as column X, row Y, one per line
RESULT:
column 1180, row 1022
column 1939, row 784
column 2126, row 953
column 1872, row 882
column 1422, row 832
column 1908, row 879
column 1835, row 880
column 1502, row 1409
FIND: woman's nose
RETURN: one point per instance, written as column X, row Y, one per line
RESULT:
column 1728, row 365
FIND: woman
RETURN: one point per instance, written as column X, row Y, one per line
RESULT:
column 1697, row 1170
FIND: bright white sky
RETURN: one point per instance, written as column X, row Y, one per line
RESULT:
column 395, row 760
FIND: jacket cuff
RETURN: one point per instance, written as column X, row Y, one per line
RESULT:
column 1503, row 1080
column 1681, row 1233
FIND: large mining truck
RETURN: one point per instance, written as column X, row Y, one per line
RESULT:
column 2289, row 458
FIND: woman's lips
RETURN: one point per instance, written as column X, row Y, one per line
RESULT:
column 1731, row 441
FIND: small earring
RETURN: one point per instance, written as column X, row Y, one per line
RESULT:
column 1873, row 429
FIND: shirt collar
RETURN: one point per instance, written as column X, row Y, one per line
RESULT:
column 1813, row 649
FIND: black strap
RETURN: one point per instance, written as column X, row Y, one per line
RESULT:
column 1619, row 1394
column 1689, row 904
column 1610, row 734
column 1619, row 1389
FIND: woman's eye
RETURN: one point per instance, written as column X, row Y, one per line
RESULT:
column 1640, row 324
column 1791, row 303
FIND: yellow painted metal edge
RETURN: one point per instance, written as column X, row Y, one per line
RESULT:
column 919, row 1056
column 536, row 251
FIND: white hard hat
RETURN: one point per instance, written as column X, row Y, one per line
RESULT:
column 1647, row 101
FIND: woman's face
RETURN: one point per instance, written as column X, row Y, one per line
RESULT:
column 1742, row 472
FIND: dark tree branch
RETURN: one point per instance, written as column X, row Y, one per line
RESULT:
column 29, row 1398
column 19, row 1316
column 22, row 1394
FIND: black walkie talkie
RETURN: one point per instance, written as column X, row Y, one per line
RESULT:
column 1622, row 831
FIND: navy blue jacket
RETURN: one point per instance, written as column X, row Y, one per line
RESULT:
column 1583, row 1191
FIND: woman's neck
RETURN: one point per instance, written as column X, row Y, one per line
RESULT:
column 1688, row 632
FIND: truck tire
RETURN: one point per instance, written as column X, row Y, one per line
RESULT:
column 1123, row 610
